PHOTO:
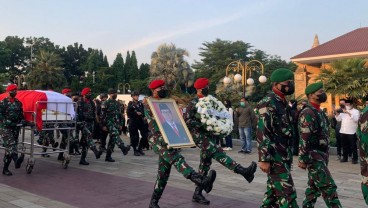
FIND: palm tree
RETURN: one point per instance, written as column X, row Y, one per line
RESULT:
column 168, row 63
column 47, row 73
column 346, row 77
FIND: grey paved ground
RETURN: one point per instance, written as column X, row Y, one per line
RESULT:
column 230, row 190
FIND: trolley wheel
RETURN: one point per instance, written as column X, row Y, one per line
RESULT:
column 66, row 161
column 30, row 165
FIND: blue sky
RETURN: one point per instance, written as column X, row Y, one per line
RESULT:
column 279, row 27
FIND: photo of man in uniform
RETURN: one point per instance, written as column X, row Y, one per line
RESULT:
column 174, row 130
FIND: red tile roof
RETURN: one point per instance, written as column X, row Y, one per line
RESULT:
column 352, row 42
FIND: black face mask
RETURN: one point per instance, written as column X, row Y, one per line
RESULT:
column 162, row 93
column 88, row 96
column 75, row 100
column 291, row 89
column 322, row 97
column 205, row 91
column 12, row 94
column 114, row 97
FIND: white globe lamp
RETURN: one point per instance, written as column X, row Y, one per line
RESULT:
column 227, row 80
column 250, row 81
column 262, row 79
column 238, row 78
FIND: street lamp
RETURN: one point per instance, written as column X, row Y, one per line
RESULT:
column 244, row 69
column 126, row 86
column 93, row 75
column 20, row 80
column 31, row 45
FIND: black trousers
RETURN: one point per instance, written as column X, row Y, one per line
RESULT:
column 349, row 146
column 134, row 127
column 338, row 141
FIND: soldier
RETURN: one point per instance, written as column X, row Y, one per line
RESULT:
column 313, row 149
column 102, row 134
column 86, row 113
column 275, row 139
column 112, row 121
column 11, row 114
column 64, row 132
column 207, row 144
column 363, row 151
column 74, row 135
column 169, row 156
column 136, row 117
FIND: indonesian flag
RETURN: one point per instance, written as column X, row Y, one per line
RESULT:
column 39, row 101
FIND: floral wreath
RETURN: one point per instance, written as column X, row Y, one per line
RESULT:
column 214, row 116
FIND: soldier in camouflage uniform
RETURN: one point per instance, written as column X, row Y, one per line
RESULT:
column 112, row 121
column 207, row 144
column 169, row 157
column 86, row 114
column 11, row 114
column 363, row 151
column 64, row 132
column 275, row 138
column 313, row 149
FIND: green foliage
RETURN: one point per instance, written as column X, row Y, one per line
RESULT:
column 346, row 77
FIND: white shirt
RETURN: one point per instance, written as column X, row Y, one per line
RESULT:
column 349, row 123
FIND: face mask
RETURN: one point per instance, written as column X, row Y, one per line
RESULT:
column 291, row 89
column 205, row 91
column 75, row 100
column 242, row 104
column 12, row 94
column 114, row 97
column 162, row 93
column 322, row 97
column 348, row 107
column 88, row 96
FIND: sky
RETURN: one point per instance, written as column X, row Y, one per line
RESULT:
column 278, row 27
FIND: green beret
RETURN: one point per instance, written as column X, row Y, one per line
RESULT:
column 313, row 88
column 281, row 75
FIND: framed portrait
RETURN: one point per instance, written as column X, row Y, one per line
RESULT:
column 171, row 123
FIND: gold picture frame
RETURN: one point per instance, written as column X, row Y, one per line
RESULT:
column 171, row 123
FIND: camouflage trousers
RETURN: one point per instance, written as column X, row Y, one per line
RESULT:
column 115, row 139
column 10, row 140
column 168, row 157
column 46, row 137
column 87, row 135
column 280, row 187
column 320, row 182
column 364, row 186
column 209, row 151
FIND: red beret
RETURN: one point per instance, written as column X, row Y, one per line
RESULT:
column 156, row 83
column 66, row 90
column 201, row 83
column 85, row 91
column 11, row 87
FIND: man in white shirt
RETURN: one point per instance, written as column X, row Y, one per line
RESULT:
column 349, row 118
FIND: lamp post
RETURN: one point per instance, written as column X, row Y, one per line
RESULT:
column 20, row 80
column 93, row 75
column 244, row 69
column 31, row 45
column 126, row 86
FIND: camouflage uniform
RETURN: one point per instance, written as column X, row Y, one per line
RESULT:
column 206, row 141
column 274, row 138
column 169, row 157
column 11, row 114
column 363, row 151
column 112, row 118
column 86, row 114
column 313, row 151
column 46, row 137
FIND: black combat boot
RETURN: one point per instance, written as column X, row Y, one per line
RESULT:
column 60, row 156
column 44, row 154
column 154, row 200
column 17, row 160
column 247, row 173
column 124, row 149
column 205, row 182
column 7, row 161
column 83, row 157
column 76, row 149
column 55, row 145
column 97, row 153
column 140, row 151
column 136, row 153
column 198, row 197
column 108, row 157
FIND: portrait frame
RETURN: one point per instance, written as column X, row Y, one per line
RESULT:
column 182, row 137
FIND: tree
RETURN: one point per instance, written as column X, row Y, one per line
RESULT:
column 17, row 64
column 5, row 55
column 168, row 63
column 47, row 73
column 118, row 69
column 346, row 77
column 126, row 72
column 133, row 68
column 144, row 71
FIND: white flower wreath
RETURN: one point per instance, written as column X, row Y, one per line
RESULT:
column 214, row 116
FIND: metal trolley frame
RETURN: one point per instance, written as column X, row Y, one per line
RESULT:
column 59, row 121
